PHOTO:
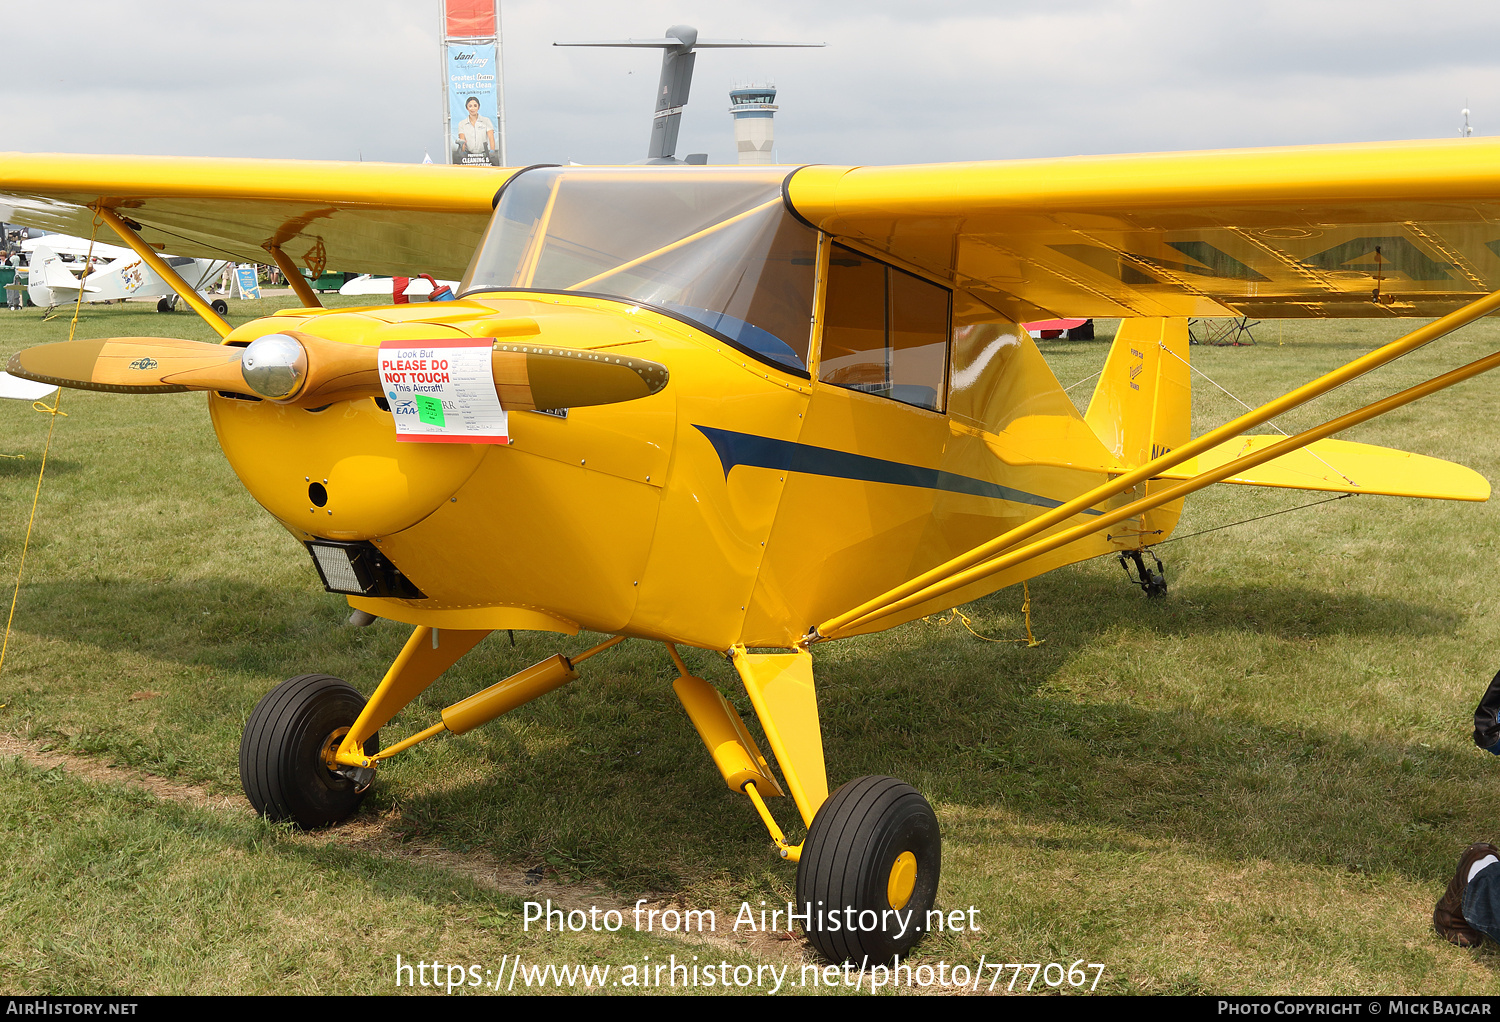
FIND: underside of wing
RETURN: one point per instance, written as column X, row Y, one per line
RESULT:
column 367, row 217
column 1370, row 230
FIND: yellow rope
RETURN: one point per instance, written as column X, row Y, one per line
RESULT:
column 1031, row 641
column 53, row 411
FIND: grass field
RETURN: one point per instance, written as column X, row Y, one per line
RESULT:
column 1258, row 784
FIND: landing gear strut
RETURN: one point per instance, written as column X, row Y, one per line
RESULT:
column 1153, row 582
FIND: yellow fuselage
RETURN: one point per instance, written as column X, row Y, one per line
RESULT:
column 742, row 504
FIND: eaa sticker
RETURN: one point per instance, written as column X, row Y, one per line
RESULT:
column 443, row 391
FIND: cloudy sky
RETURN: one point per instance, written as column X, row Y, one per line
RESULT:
column 899, row 82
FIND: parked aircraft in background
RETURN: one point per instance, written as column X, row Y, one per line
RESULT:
column 57, row 274
column 421, row 287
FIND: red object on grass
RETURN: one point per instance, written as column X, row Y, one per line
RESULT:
column 1052, row 329
column 1053, row 324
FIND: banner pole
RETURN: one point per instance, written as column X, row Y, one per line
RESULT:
column 443, row 80
column 500, row 82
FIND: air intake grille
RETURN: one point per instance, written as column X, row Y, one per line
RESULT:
column 359, row 569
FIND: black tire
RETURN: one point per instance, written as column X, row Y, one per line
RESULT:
column 281, row 766
column 164, row 305
column 847, row 862
column 220, row 306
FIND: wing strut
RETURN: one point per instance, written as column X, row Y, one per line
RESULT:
column 982, row 561
column 150, row 258
column 305, row 294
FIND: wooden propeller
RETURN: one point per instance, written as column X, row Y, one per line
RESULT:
column 307, row 371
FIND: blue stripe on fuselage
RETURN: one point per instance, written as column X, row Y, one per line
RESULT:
column 785, row 456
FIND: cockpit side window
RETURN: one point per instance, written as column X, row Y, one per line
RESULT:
column 885, row 331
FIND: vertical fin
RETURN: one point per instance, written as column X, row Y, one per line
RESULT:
column 1142, row 408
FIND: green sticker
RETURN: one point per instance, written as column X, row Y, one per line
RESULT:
column 430, row 410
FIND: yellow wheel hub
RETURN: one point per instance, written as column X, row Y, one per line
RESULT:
column 331, row 749
column 903, row 880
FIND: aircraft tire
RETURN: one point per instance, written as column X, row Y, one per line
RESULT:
column 164, row 305
column 858, row 854
column 220, row 306
column 281, row 767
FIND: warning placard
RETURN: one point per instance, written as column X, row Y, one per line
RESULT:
column 443, row 391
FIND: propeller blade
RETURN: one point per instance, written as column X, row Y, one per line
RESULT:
column 132, row 365
column 309, row 371
column 531, row 376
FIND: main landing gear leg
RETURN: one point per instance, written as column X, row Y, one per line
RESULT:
column 867, row 873
column 1153, row 582
column 311, row 746
column 291, row 765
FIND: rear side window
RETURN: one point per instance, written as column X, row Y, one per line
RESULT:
column 885, row 331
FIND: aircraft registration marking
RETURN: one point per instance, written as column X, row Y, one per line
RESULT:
column 443, row 391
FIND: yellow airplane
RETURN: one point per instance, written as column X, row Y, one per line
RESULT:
column 752, row 410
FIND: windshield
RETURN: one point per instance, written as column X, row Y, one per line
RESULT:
column 715, row 246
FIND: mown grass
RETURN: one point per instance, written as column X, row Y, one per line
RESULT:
column 1260, row 783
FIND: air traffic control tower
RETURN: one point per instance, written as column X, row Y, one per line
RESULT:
column 753, row 108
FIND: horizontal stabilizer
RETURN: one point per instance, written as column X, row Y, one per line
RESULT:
column 1341, row 466
column 673, row 43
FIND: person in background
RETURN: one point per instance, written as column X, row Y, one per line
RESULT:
column 1469, row 909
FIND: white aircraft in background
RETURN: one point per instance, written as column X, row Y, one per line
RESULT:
column 57, row 273
column 420, row 286
column 23, row 390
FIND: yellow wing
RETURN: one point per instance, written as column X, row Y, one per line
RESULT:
column 369, row 217
column 1388, row 229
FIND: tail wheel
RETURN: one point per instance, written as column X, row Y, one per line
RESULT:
column 869, row 869
column 220, row 306
column 164, row 305
column 286, row 751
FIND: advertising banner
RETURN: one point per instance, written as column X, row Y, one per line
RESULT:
column 470, row 19
column 471, row 76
